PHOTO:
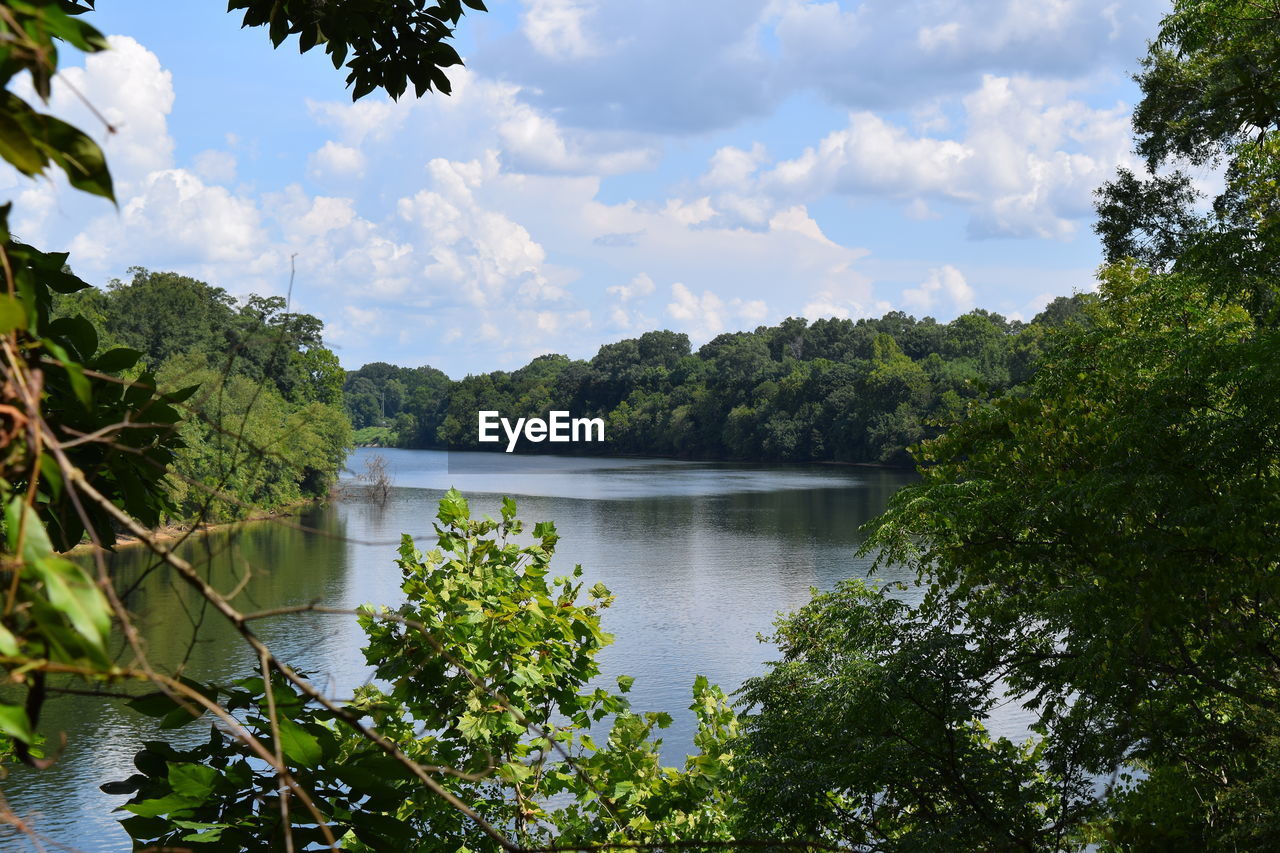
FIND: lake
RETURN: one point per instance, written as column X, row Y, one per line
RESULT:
column 701, row 556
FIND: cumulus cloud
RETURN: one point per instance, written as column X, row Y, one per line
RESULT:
column 638, row 287
column 690, row 68
column 844, row 293
column 624, row 314
column 128, row 87
column 337, row 160
column 370, row 118
column 480, row 114
column 557, row 29
column 944, row 283
column 176, row 217
column 133, row 95
column 218, row 167
column 664, row 64
column 481, row 252
column 706, row 315
column 892, row 53
column 1026, row 165
column 732, row 167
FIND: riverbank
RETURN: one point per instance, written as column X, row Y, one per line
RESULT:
column 883, row 466
column 184, row 530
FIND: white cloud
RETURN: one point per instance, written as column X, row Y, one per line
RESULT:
column 551, row 324
column 337, row 160
column 920, row 211
column 1027, row 164
column 556, row 28
column 639, row 286
column 302, row 218
column 705, row 316
column 733, row 167
column 366, row 119
column 218, row 167
column 945, row 282
column 932, row 38
column 845, row 293
column 479, row 251
column 662, row 64
column 689, row 213
column 797, row 219
column 481, row 114
column 176, row 215
column 894, row 53
column 128, row 87
column 133, row 95
column 537, row 143
column 624, row 314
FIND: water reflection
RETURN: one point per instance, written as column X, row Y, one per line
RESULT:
column 700, row 556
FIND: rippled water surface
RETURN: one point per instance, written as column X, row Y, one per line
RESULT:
column 701, row 558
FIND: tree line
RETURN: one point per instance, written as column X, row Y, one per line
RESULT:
column 264, row 426
column 830, row 390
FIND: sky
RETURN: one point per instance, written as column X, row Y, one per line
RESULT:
column 604, row 168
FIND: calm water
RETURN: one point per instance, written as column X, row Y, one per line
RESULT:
column 701, row 557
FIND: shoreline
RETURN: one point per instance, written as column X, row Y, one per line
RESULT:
column 186, row 530
column 886, row 466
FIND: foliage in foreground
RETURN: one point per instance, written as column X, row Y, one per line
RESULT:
column 488, row 669
column 1103, row 551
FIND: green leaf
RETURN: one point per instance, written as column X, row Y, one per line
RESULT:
column 72, row 30
column 52, row 474
column 453, row 508
column 299, row 745
column 80, row 157
column 81, row 334
column 171, row 714
column 8, row 642
column 206, row 831
column 74, row 593
column 116, row 360
column 14, row 722
column 171, row 804
column 16, row 144
column 35, row 541
column 193, row 781
column 181, row 395
column 12, row 314
column 625, row 682
column 123, row 786
column 75, row 373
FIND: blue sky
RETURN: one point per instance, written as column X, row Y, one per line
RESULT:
column 608, row 167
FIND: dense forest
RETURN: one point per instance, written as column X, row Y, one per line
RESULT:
column 264, row 427
column 831, row 390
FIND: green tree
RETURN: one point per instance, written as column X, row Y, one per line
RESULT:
column 1210, row 97
column 71, row 426
column 490, row 669
column 1100, row 547
column 869, row 734
column 86, row 439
